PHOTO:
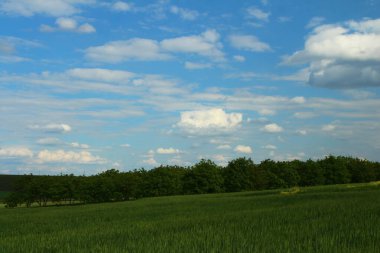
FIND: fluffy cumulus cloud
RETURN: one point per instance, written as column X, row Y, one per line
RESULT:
column 15, row 152
column 272, row 128
column 343, row 55
column 248, row 43
column 243, row 149
column 206, row 44
column 53, row 128
column 68, row 25
column 209, row 120
column 167, row 151
column 62, row 156
column 54, row 8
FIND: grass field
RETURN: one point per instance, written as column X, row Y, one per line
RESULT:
column 344, row 218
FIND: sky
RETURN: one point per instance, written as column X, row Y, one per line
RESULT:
column 88, row 85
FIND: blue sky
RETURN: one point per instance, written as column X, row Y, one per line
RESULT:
column 87, row 85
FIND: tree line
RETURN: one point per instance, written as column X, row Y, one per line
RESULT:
column 240, row 174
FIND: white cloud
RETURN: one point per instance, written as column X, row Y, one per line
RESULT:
column 150, row 161
column 243, row 149
column 126, row 50
column 62, row 156
column 315, row 21
column 224, row 146
column 68, row 25
column 209, row 120
column 53, row 128
column 266, row 111
column 104, row 75
column 79, row 145
column 248, row 43
column 12, row 152
column 258, row 14
column 328, row 128
column 167, row 151
column 185, row 14
column 301, row 132
column 125, row 145
column 270, row 147
column 239, row 58
column 304, row 115
column 9, row 46
column 272, row 128
column 121, row 6
column 194, row 65
column 206, row 44
column 298, row 100
column 86, row 28
column 343, row 55
column 49, row 141
column 54, row 8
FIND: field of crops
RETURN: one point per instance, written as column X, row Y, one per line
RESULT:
column 344, row 218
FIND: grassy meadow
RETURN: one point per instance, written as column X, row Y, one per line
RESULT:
column 340, row 218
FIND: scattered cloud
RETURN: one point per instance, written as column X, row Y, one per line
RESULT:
column 206, row 44
column 168, row 151
column 328, row 128
column 55, row 8
column 14, row 152
column 49, row 141
column 185, row 14
column 248, row 43
column 243, row 149
column 79, row 145
column 315, row 21
column 256, row 13
column 126, row 50
column 304, row 115
column 52, row 128
column 125, row 145
column 301, row 132
column 121, row 6
column 272, row 128
column 224, row 146
column 239, row 58
column 270, row 147
column 343, row 55
column 62, row 156
column 103, row 75
column 209, row 120
column 68, row 25
column 194, row 65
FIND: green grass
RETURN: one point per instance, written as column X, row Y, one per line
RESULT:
column 343, row 218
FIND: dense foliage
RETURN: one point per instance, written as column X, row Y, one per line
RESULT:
column 240, row 174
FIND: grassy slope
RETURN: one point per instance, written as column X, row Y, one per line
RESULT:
column 318, row 219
